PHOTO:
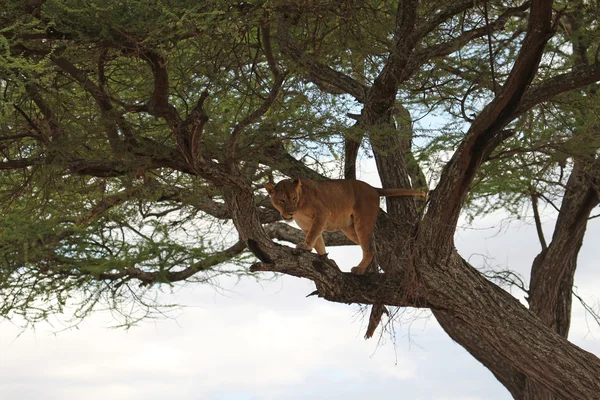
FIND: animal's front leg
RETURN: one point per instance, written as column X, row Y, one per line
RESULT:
column 320, row 245
column 313, row 234
column 364, row 227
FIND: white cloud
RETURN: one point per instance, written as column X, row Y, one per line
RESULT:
column 231, row 347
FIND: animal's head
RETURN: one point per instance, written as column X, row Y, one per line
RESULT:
column 285, row 196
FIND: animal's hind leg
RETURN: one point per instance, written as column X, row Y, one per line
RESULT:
column 351, row 234
column 364, row 227
column 367, row 248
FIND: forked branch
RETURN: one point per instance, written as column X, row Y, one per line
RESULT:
column 458, row 174
column 278, row 78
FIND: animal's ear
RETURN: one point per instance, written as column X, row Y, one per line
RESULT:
column 270, row 188
column 297, row 182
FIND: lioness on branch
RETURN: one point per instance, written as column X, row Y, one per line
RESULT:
column 346, row 205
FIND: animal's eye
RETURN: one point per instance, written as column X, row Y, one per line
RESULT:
column 293, row 198
column 282, row 201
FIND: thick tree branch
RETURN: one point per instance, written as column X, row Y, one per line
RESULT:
column 279, row 159
column 159, row 105
column 318, row 72
column 336, row 286
column 18, row 136
column 46, row 110
column 283, row 231
column 19, row 164
column 351, row 148
column 384, row 89
column 391, row 143
column 553, row 269
column 207, row 205
column 458, row 174
column 107, row 112
column 512, row 379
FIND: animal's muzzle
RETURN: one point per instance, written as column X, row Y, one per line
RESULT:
column 289, row 217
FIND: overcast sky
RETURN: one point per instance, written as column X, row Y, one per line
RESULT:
column 268, row 341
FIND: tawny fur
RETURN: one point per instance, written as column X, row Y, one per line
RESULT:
column 346, row 205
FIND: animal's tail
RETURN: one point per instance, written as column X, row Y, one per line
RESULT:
column 402, row 192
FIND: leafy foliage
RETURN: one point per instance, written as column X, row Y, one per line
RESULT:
column 106, row 105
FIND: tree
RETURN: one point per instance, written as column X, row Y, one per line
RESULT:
column 130, row 132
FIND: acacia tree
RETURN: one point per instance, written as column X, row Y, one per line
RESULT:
column 131, row 131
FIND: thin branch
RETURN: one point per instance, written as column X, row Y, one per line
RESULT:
column 508, row 277
column 538, row 221
column 453, row 8
column 209, row 262
column 490, row 48
column 444, row 49
column 548, row 201
column 29, row 121
column 579, row 77
column 595, row 315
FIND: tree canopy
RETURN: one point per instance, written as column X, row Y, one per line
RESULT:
column 135, row 138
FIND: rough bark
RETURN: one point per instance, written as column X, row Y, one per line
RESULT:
column 512, row 379
column 351, row 147
column 553, row 270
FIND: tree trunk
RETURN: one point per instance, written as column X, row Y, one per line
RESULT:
column 423, row 269
column 553, row 270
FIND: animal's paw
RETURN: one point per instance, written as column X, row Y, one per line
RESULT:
column 357, row 271
column 303, row 246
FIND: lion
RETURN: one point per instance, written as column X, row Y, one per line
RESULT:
column 346, row 205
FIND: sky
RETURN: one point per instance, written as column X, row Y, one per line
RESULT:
column 267, row 340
